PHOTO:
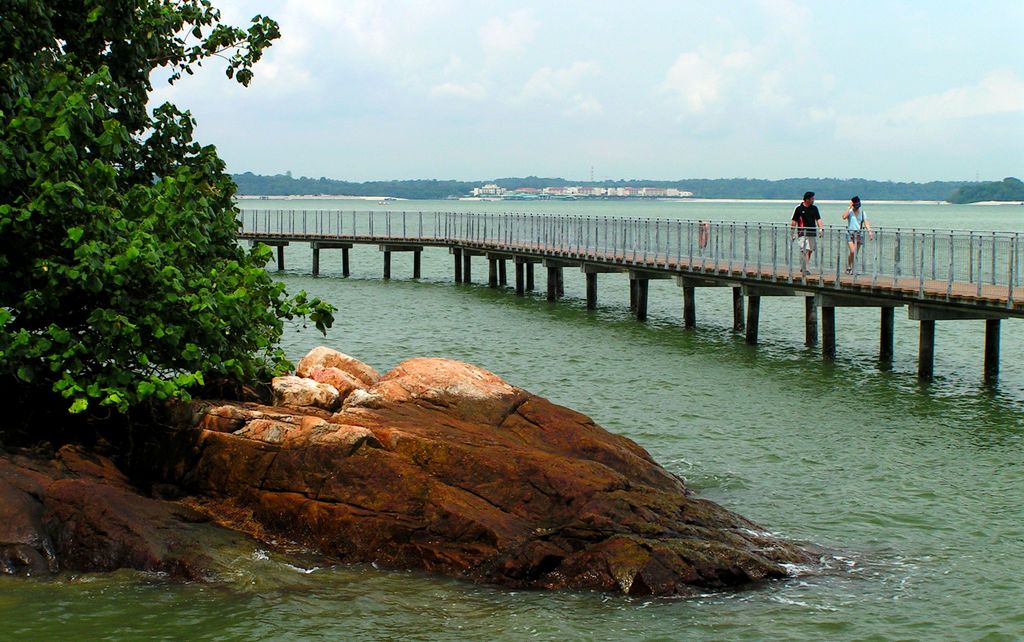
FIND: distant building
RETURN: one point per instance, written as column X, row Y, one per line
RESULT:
column 489, row 190
column 588, row 191
column 677, row 193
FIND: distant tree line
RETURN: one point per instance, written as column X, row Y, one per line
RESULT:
column 1008, row 189
column 789, row 188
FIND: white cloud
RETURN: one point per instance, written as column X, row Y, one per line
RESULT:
column 786, row 16
column 508, row 35
column 697, row 81
column 562, row 86
column 469, row 91
column 585, row 105
column 547, row 82
column 999, row 92
column 770, row 91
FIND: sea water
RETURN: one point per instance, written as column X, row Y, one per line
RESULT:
column 915, row 491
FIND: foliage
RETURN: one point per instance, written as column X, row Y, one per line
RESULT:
column 122, row 276
column 1008, row 189
column 789, row 188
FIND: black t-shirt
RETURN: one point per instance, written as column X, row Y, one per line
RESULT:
column 806, row 217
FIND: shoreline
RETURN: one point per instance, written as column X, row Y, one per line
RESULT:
column 385, row 199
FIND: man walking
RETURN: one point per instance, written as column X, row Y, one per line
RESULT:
column 807, row 224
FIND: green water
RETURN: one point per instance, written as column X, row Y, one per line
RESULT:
column 916, row 491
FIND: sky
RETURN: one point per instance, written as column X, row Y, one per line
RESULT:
column 474, row 90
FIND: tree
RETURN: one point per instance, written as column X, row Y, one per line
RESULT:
column 122, row 276
column 1009, row 189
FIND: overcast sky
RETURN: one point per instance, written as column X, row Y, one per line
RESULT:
column 468, row 90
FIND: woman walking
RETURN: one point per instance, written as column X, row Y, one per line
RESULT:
column 856, row 223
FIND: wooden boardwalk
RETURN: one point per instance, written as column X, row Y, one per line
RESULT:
column 937, row 275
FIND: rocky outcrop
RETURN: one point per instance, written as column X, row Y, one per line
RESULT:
column 78, row 512
column 298, row 391
column 444, row 467
column 323, row 357
column 438, row 465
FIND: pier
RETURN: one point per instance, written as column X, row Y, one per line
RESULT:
column 938, row 275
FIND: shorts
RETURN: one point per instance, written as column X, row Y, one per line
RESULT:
column 808, row 243
column 853, row 236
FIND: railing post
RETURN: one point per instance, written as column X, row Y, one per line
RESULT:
column 775, row 253
column 1014, row 258
column 934, row 241
column 994, row 258
column 689, row 242
column 896, row 260
column 970, row 258
column 732, row 245
column 839, row 265
column 679, row 244
column 981, row 272
column 789, row 257
column 949, row 277
column 920, row 290
column 647, row 237
column 746, row 246
column 878, row 259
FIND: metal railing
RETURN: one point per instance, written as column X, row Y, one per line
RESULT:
column 964, row 261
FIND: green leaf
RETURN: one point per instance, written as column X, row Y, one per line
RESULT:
column 75, row 233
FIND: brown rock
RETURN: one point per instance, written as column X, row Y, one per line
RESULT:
column 78, row 512
column 446, row 468
column 342, row 381
column 299, row 391
column 323, row 357
column 461, row 389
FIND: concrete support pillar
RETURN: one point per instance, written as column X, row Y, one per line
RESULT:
column 492, row 272
column 280, row 257
column 828, row 331
column 591, row 290
column 926, row 351
column 416, row 264
column 552, row 282
column 885, row 343
column 689, row 308
column 991, row 351
column 737, row 309
column 387, row 264
column 810, row 322
column 529, row 278
column 520, row 286
column 642, row 286
column 632, row 295
column 561, row 282
column 344, row 261
column 316, row 261
column 753, row 312
column 502, row 273
column 457, row 253
column 467, row 267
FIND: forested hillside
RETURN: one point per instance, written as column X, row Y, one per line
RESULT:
column 789, row 188
column 1008, row 189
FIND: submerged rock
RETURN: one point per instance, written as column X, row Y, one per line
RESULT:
column 444, row 467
